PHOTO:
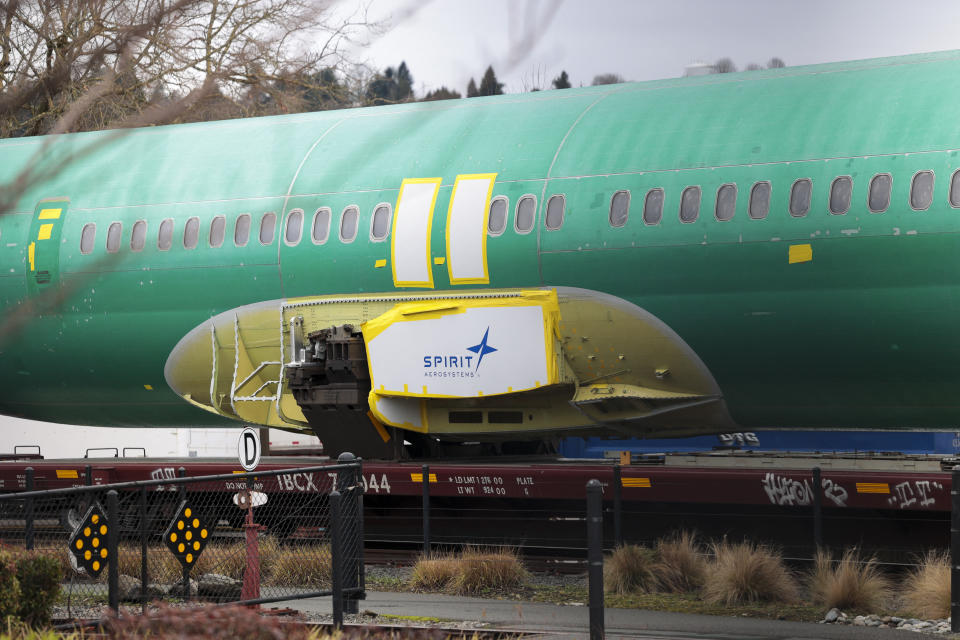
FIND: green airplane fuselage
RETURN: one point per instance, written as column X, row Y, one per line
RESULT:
column 820, row 320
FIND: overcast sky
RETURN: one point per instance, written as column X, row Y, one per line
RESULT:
column 446, row 42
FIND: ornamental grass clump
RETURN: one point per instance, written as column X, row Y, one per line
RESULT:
column 681, row 566
column 481, row 571
column 850, row 583
column 434, row 572
column 631, row 569
column 747, row 572
column 927, row 589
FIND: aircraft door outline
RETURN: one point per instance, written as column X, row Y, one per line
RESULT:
column 42, row 266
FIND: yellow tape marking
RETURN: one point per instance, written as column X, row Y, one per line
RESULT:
column 439, row 260
column 45, row 231
column 418, row 477
column 31, row 254
column 379, row 264
column 800, row 253
column 67, row 473
column 49, row 214
column 873, row 487
column 638, row 483
column 148, row 387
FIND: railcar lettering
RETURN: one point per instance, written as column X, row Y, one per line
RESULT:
column 524, row 480
column 373, row 485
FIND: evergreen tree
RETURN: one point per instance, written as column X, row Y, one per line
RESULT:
column 489, row 85
column 472, row 89
column 441, row 94
column 404, row 83
column 562, row 81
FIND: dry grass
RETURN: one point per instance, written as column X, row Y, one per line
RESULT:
column 927, row 589
column 631, row 569
column 492, row 570
column 300, row 566
column 435, row 572
column 472, row 571
column 746, row 572
column 681, row 566
column 851, row 583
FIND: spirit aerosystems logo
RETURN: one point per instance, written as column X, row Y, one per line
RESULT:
column 459, row 365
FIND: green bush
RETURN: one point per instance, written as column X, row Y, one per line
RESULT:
column 39, row 578
column 9, row 586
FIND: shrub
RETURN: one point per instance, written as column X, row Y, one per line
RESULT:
column 9, row 586
column 631, row 569
column 209, row 623
column 746, row 572
column 680, row 566
column 434, row 573
column 851, row 583
column 39, row 578
column 927, row 589
column 479, row 571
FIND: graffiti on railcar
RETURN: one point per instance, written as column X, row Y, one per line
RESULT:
column 915, row 492
column 786, row 491
column 835, row 492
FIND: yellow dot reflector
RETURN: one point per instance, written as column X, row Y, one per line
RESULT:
column 173, row 537
column 203, row 533
column 181, row 548
column 87, row 555
column 188, row 535
column 180, row 524
column 187, row 512
column 96, row 565
column 79, row 544
column 103, row 553
column 103, row 529
column 196, row 545
column 85, row 541
column 86, row 531
column 196, row 523
column 189, row 558
column 95, row 542
column 94, row 518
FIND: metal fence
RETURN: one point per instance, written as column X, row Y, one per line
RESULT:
column 252, row 538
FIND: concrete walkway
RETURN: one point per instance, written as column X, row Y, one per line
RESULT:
column 570, row 621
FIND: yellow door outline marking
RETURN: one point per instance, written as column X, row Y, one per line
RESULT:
column 49, row 214
column 428, row 284
column 799, row 253
column 45, row 231
column 483, row 230
column 379, row 264
column 31, row 254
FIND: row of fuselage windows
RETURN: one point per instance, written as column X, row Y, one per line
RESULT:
column 841, row 190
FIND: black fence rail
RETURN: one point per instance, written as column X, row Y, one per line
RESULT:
column 251, row 538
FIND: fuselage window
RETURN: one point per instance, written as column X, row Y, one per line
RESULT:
column 556, row 205
column 619, row 208
column 653, row 206
column 497, row 221
column 138, row 238
column 218, row 229
column 690, row 204
column 800, row 197
column 526, row 211
column 294, row 228
column 348, row 223
column 840, row 192
column 726, row 202
column 87, row 238
column 759, row 200
column 191, row 233
column 921, row 190
column 321, row 226
column 380, row 224
column 165, row 235
column 241, row 232
column 879, row 197
column 955, row 189
column 268, row 225
column 114, row 231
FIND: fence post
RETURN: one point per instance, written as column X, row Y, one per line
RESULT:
column 617, row 506
column 350, row 485
column 144, row 578
column 595, row 557
column 817, row 509
column 426, row 509
column 28, row 511
column 336, row 553
column 88, row 475
column 182, row 473
column 113, row 563
column 955, row 551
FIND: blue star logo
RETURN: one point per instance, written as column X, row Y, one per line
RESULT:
column 482, row 349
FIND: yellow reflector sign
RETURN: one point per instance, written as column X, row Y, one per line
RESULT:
column 418, row 477
column 67, row 473
column 636, row 483
column 873, row 487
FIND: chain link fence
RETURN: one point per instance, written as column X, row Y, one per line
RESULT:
column 244, row 537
